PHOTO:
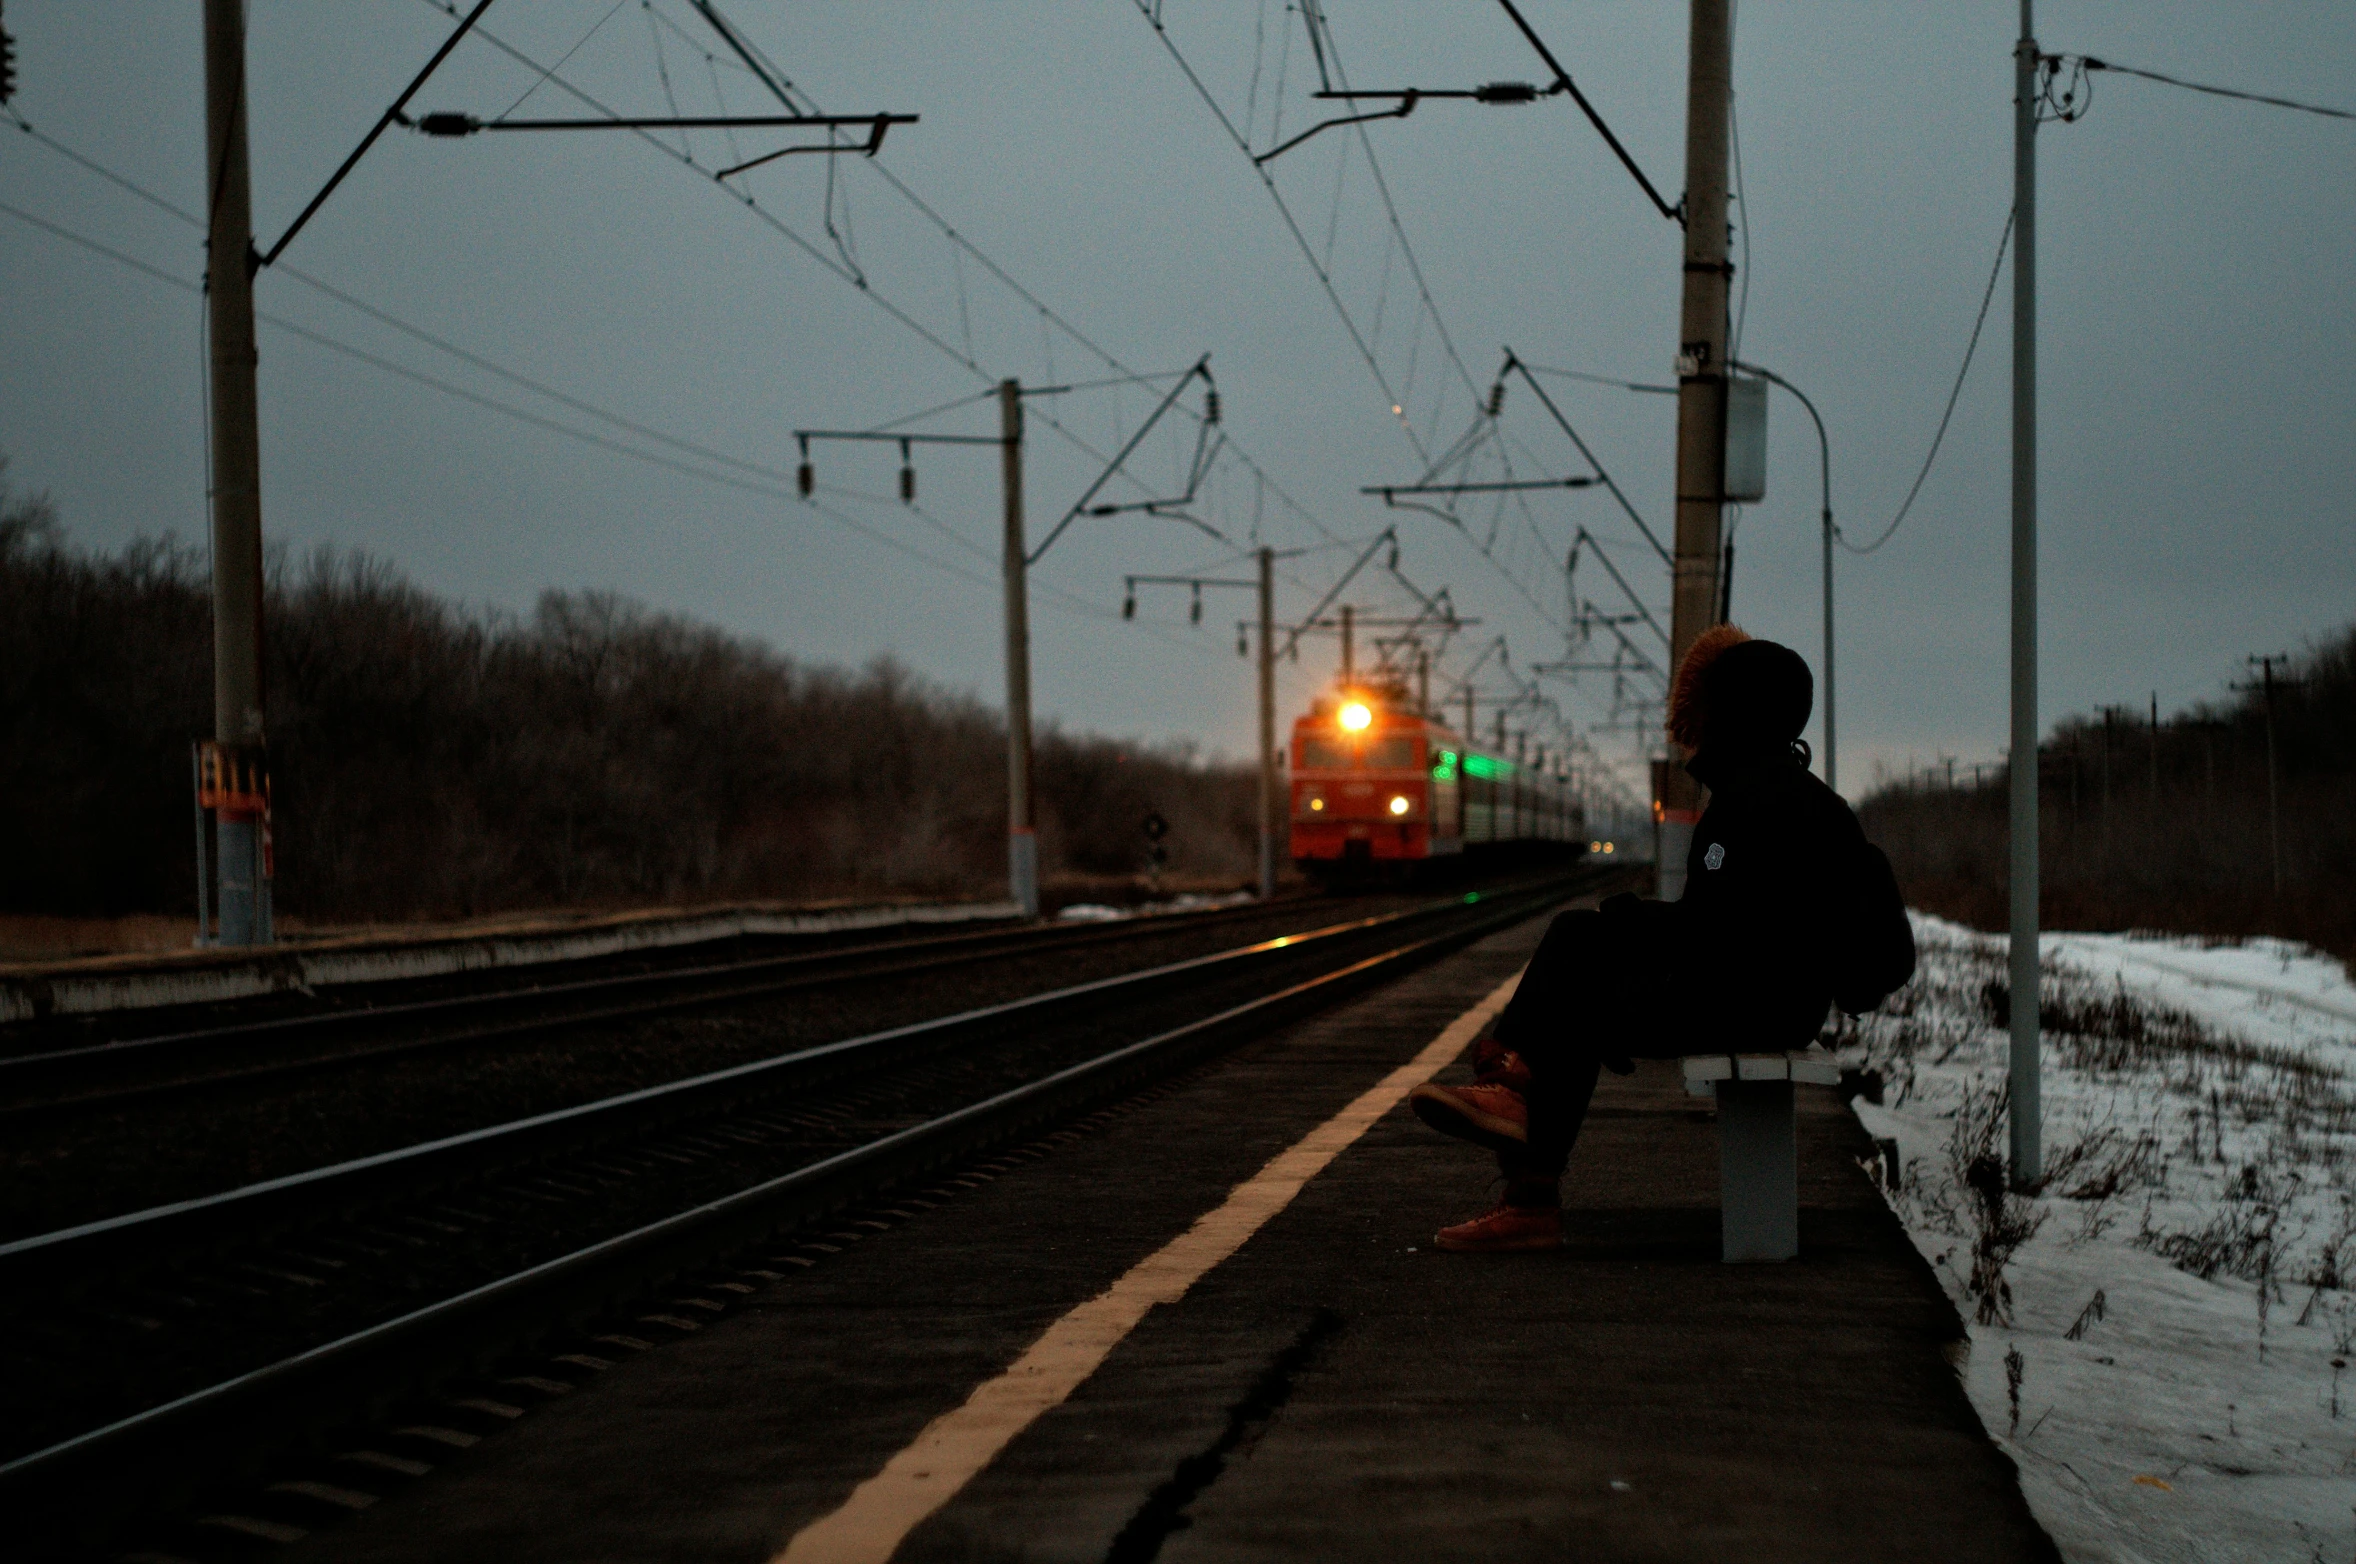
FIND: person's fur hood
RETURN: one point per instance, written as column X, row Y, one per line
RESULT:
column 1687, row 711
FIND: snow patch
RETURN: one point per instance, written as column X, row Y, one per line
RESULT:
column 2162, row 1334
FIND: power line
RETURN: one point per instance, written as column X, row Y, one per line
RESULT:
column 2093, row 64
column 1956, row 391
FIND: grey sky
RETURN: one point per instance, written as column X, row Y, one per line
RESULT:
column 2199, row 383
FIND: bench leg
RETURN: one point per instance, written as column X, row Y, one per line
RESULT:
column 1758, row 1171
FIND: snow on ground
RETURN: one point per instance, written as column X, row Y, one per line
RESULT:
column 2163, row 1337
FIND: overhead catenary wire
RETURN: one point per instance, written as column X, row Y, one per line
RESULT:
column 586, row 437
column 783, row 90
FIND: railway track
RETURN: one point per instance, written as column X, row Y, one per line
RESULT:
column 115, row 1069
column 193, row 1337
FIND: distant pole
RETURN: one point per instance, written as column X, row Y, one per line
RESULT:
column 2273, row 778
column 1469, row 735
column 1348, row 672
column 2028, row 1159
column 237, row 487
column 1268, row 783
column 2155, row 745
column 1701, row 395
column 1423, row 684
column 1022, row 835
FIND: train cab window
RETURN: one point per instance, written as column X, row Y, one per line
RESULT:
column 1323, row 755
column 1392, row 754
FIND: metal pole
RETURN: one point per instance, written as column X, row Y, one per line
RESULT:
column 237, row 470
column 2028, row 1159
column 1347, row 671
column 1022, row 836
column 1268, row 781
column 1701, row 395
column 2273, row 781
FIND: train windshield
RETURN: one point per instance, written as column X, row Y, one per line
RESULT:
column 1332, row 755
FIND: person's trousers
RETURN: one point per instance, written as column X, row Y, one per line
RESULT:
column 1601, row 989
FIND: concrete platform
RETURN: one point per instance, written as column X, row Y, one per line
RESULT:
column 1335, row 1390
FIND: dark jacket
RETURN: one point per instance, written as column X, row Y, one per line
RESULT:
column 1787, row 910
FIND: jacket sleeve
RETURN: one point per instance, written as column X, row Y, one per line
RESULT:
column 1875, row 952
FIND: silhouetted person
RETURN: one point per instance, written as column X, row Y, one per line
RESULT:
column 1787, row 910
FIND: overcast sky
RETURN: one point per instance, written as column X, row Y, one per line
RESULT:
column 2199, row 383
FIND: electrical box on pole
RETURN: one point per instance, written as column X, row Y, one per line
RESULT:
column 1746, row 439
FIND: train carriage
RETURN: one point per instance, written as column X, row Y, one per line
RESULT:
column 1379, row 787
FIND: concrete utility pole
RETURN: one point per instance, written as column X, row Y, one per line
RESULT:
column 1349, row 671
column 1701, row 395
column 1022, row 833
column 2027, row 1110
column 1270, row 789
column 240, row 783
column 2273, row 773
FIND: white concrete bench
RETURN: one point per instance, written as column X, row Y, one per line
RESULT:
column 1758, row 1153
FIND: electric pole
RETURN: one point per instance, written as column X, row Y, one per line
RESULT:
column 2026, row 1110
column 240, row 787
column 2273, row 772
column 1022, row 834
column 1269, row 791
column 1701, row 395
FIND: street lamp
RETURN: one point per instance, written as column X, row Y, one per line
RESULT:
column 1824, row 451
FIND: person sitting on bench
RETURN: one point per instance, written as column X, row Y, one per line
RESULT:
column 1787, row 910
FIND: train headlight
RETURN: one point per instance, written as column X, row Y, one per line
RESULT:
column 1356, row 716
column 1316, row 804
column 1399, row 804
column 1607, row 847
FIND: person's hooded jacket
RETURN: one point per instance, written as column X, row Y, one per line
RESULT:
column 1787, row 909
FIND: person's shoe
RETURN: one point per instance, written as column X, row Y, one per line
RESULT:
column 1505, row 1230
column 1485, row 1114
column 1494, row 1064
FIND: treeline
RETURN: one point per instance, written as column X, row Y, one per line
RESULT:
column 2163, row 827
column 432, row 762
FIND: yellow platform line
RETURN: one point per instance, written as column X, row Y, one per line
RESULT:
column 955, row 1447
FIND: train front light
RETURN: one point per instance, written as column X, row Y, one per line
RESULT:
column 1316, row 804
column 1356, row 716
column 1399, row 804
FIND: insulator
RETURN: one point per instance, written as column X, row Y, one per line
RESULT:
column 907, row 485
column 1195, row 615
column 1211, row 405
column 1242, row 646
column 806, row 479
column 1394, row 564
column 1129, row 606
column 1497, row 399
column 449, row 124
column 1506, row 92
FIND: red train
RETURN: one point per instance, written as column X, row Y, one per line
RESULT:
column 1379, row 787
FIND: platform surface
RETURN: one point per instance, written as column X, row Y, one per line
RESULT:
column 1337, row 1389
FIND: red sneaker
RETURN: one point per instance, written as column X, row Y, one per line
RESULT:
column 1485, row 1114
column 1494, row 1064
column 1505, row 1230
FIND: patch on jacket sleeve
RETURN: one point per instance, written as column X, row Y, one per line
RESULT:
column 1715, row 856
